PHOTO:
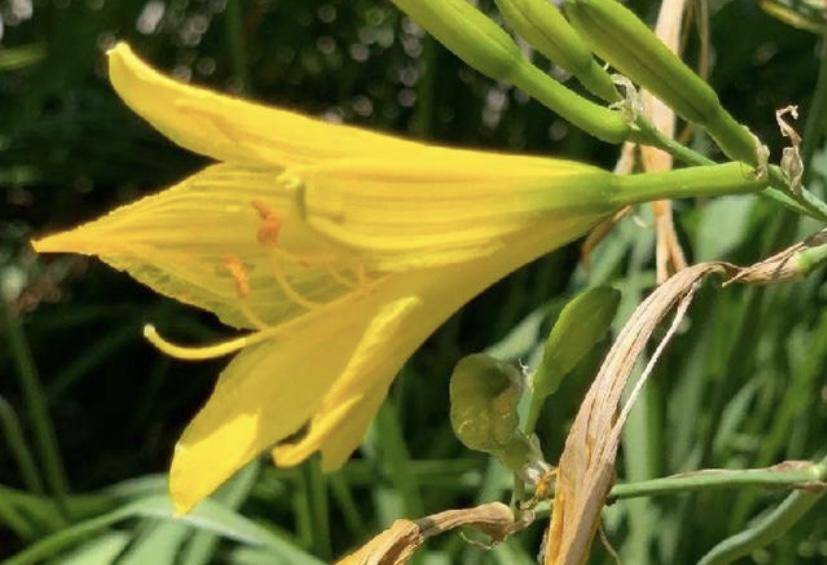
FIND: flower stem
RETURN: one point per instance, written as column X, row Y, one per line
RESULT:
column 318, row 502
column 814, row 127
column 772, row 526
column 235, row 38
column 19, row 448
column 800, row 202
column 35, row 399
column 713, row 180
column 806, row 476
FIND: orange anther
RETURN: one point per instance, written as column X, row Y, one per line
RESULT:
column 239, row 273
column 268, row 233
column 262, row 209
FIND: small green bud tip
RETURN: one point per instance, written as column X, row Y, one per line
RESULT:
column 618, row 36
column 544, row 27
column 467, row 32
column 482, row 44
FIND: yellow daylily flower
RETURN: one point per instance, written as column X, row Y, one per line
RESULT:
column 336, row 249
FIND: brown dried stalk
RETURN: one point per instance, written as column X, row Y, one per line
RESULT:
column 586, row 469
column 669, row 255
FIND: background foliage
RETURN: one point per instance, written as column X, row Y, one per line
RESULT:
column 89, row 412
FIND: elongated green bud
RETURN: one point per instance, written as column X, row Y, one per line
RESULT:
column 617, row 35
column 544, row 27
column 485, row 46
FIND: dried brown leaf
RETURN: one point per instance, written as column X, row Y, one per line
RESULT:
column 586, row 469
column 397, row 544
column 783, row 266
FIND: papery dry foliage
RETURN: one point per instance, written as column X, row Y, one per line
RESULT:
column 586, row 470
column 397, row 544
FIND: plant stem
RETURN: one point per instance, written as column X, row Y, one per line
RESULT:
column 14, row 521
column 772, row 477
column 770, row 527
column 817, row 115
column 815, row 206
column 650, row 135
column 713, row 180
column 809, row 477
column 35, row 399
column 341, row 491
column 235, row 39
column 317, row 501
column 801, row 201
column 19, row 448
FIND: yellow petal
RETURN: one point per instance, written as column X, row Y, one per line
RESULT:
column 450, row 207
column 230, row 129
column 270, row 390
column 197, row 241
column 266, row 393
column 350, row 405
column 417, row 303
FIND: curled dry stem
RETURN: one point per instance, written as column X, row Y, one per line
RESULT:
column 397, row 544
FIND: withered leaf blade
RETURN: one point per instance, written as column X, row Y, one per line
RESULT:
column 586, row 469
column 397, row 544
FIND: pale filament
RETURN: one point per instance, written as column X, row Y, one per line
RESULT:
column 268, row 236
column 201, row 353
column 355, row 277
column 241, row 278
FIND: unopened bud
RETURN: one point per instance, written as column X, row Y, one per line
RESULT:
column 617, row 35
column 544, row 27
column 485, row 46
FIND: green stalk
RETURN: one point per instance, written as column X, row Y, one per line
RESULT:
column 341, row 491
column 803, row 202
column 807, row 478
column 318, row 503
column 713, row 180
column 235, row 39
column 35, row 400
column 817, row 116
column 14, row 521
column 772, row 526
column 601, row 122
column 19, row 447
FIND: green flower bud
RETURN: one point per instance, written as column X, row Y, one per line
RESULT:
column 484, row 394
column 485, row 46
column 617, row 35
column 544, row 27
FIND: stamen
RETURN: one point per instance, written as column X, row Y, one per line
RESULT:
column 339, row 277
column 268, row 233
column 287, row 288
column 202, row 353
column 242, row 287
column 240, row 276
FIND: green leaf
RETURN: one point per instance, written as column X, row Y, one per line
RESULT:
column 581, row 325
column 208, row 516
column 232, row 495
column 102, row 550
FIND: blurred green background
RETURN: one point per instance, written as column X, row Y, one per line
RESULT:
column 90, row 412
